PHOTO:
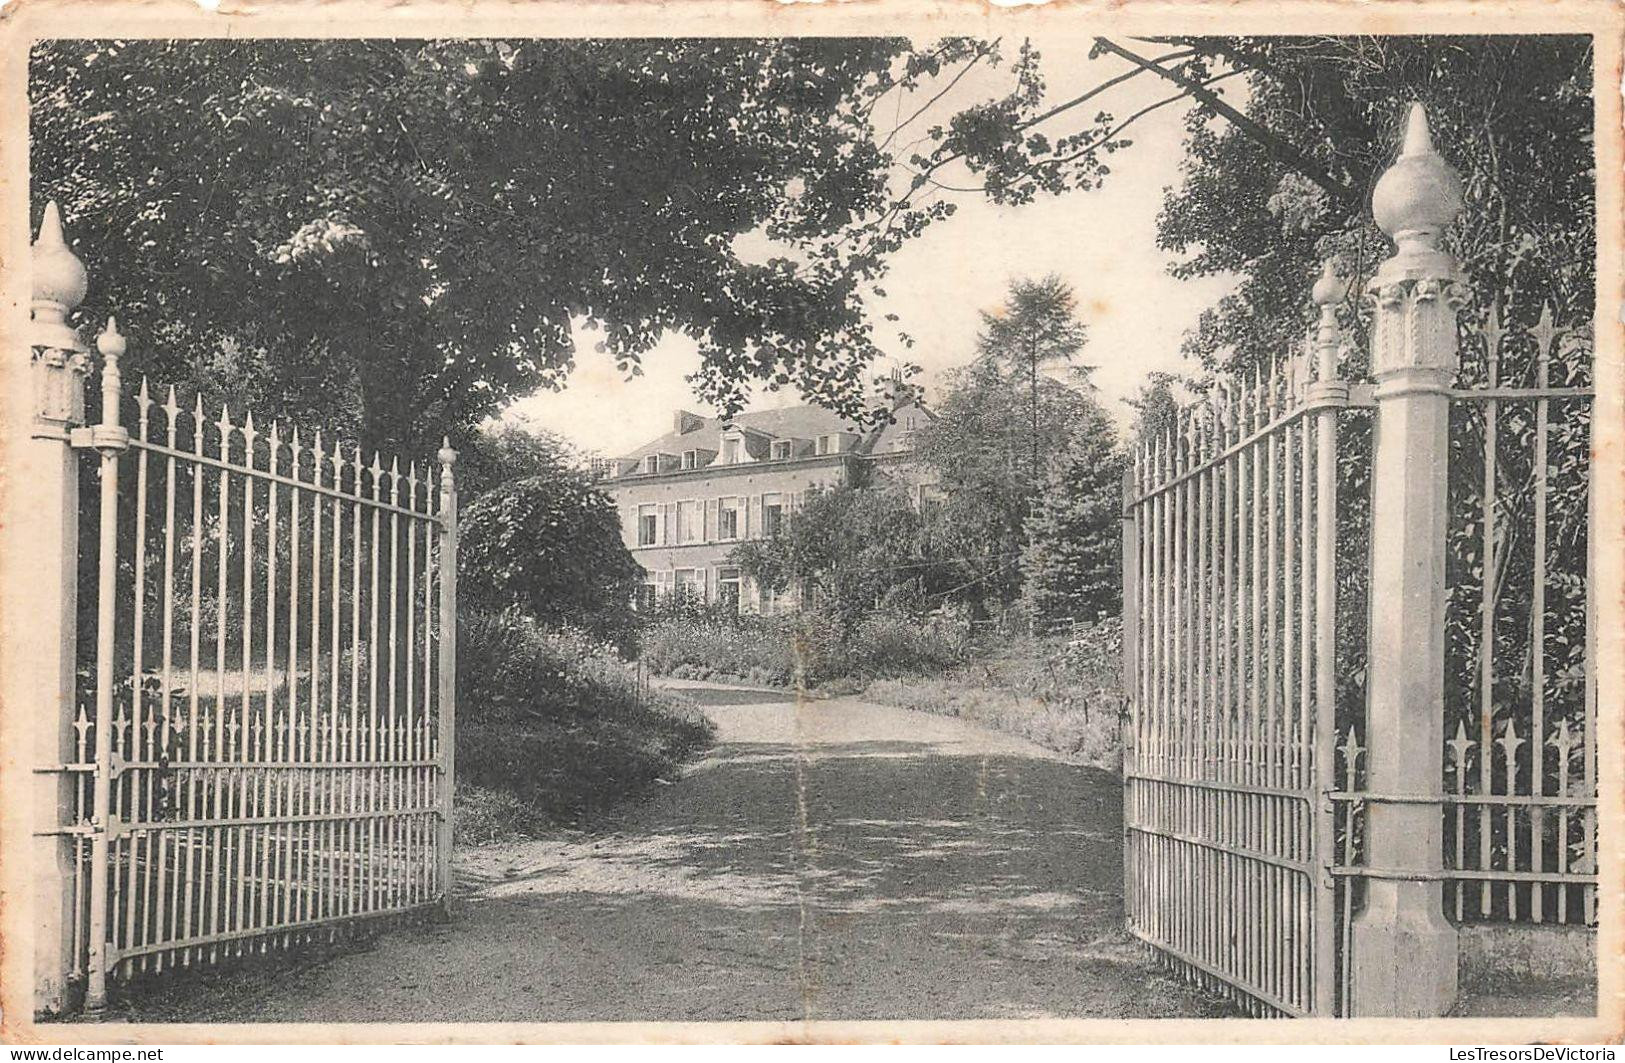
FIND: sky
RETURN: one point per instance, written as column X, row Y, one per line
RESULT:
column 1102, row 242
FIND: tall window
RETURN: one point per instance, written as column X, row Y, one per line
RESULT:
column 648, row 517
column 728, row 518
column 728, row 588
column 688, row 522
column 772, row 514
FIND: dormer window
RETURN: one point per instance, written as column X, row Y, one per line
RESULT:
column 730, row 451
column 691, row 459
column 782, row 449
column 651, row 463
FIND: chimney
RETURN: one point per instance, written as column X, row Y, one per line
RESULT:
column 684, row 422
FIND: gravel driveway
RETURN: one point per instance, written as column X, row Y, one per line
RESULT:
column 827, row 860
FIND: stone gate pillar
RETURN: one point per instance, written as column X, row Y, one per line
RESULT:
column 1404, row 950
column 41, row 640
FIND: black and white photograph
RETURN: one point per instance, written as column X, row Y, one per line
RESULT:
column 812, row 518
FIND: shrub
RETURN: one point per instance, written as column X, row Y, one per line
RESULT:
column 899, row 644
column 550, row 545
column 556, row 726
column 1062, row 692
column 739, row 650
column 808, row 648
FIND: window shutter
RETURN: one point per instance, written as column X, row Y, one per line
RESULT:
column 711, row 530
column 753, row 516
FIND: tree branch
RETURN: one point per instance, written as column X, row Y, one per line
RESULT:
column 928, row 104
column 1282, row 150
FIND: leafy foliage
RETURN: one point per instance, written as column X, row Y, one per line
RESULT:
column 1073, row 556
column 1063, row 692
column 805, row 649
column 403, row 231
column 499, row 454
column 850, row 549
column 1512, row 114
column 554, row 727
column 1004, row 432
column 551, row 545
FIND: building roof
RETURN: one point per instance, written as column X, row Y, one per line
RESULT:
column 794, row 422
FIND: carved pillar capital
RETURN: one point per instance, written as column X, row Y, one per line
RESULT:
column 1414, row 327
column 59, row 390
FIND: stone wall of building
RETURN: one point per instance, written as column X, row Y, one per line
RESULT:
column 696, row 554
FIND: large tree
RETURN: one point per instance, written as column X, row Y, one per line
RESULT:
column 980, row 445
column 375, row 227
column 403, row 232
column 1071, row 562
column 1277, row 176
column 1035, row 328
column 847, row 550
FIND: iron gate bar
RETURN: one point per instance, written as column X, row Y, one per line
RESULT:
column 1205, row 784
column 266, row 476
column 1451, row 874
column 1301, row 867
column 1263, row 997
column 1547, row 800
column 120, row 827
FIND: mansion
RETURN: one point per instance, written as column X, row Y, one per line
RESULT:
column 687, row 499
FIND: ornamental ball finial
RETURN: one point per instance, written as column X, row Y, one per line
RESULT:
column 1331, row 287
column 111, row 342
column 59, row 282
column 1421, row 192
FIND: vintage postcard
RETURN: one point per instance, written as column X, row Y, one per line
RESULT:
column 761, row 522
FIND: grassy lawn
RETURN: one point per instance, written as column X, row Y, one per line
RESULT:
column 1059, row 691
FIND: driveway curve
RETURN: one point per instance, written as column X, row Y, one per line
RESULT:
column 828, row 859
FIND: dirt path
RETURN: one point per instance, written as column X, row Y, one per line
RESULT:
column 828, row 860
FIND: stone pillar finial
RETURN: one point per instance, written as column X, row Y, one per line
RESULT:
column 1420, row 289
column 1415, row 200
column 59, row 285
column 58, row 355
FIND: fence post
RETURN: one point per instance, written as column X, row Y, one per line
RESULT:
column 1131, row 641
column 110, row 439
column 41, row 651
column 1329, row 394
column 1404, row 950
column 447, row 719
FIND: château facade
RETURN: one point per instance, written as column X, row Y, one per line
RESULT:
column 688, row 498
